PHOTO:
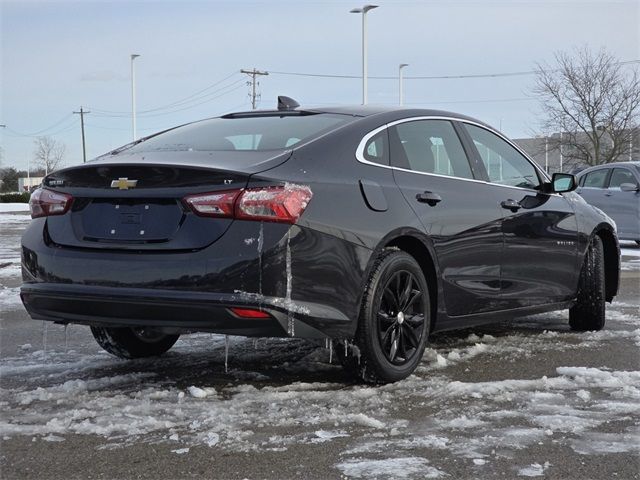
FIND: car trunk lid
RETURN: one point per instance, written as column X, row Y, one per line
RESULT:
column 138, row 206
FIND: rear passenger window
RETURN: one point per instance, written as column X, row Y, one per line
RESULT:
column 596, row 179
column 429, row 146
column 620, row 176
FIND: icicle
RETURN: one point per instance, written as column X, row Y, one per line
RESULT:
column 290, row 321
column 260, row 246
column 255, row 343
column 330, row 350
column 44, row 337
column 226, row 353
column 66, row 336
column 346, row 348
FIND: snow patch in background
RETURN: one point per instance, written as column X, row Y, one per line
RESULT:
column 14, row 207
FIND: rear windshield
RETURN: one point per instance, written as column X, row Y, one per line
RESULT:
column 243, row 133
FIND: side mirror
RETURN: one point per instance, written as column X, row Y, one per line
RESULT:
column 563, row 182
column 629, row 187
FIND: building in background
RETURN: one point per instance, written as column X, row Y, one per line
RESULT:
column 546, row 153
column 27, row 184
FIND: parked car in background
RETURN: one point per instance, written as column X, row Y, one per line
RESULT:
column 368, row 228
column 615, row 189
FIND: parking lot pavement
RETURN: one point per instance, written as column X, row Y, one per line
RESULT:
column 518, row 399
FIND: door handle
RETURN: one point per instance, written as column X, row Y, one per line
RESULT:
column 511, row 205
column 429, row 198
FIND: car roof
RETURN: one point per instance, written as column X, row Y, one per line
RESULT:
column 633, row 163
column 390, row 111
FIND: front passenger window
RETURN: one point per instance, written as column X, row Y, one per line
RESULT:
column 504, row 164
column 596, row 179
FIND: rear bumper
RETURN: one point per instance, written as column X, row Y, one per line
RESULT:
column 180, row 311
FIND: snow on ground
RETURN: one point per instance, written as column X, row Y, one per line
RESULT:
column 11, row 226
column 630, row 253
column 14, row 207
column 63, row 392
column 182, row 399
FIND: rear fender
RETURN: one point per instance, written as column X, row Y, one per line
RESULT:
column 420, row 246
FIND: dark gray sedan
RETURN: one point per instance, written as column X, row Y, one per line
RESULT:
column 366, row 228
column 615, row 189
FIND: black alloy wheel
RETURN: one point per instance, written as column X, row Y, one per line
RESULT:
column 400, row 318
column 394, row 322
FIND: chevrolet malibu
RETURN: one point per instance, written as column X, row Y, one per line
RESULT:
column 363, row 227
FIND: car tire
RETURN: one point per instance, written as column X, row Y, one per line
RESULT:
column 394, row 322
column 589, row 311
column 133, row 342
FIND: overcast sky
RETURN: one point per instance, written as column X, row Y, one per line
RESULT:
column 59, row 56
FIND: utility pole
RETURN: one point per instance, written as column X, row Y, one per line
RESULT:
column 134, row 132
column 253, row 74
column 82, row 113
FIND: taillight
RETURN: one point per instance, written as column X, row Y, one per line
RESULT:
column 45, row 203
column 282, row 204
column 273, row 204
column 217, row 204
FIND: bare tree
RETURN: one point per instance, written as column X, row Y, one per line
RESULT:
column 48, row 154
column 592, row 101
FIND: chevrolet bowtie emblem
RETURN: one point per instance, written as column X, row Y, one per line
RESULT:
column 123, row 183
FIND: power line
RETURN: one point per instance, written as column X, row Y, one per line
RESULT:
column 179, row 102
column 488, row 100
column 187, row 104
column 40, row 132
column 197, row 104
column 420, row 77
column 427, row 77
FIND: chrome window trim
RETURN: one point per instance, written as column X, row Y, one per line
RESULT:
column 361, row 146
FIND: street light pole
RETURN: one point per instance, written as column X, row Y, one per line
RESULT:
column 364, row 11
column 546, row 154
column 400, row 92
column 561, row 158
column 133, row 97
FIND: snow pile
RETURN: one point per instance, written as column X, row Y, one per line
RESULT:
column 534, row 470
column 403, row 467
